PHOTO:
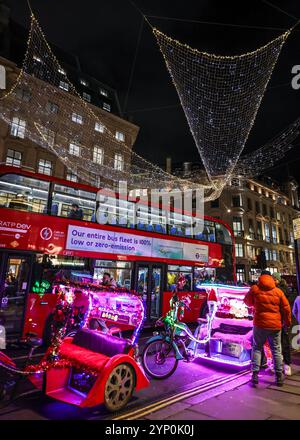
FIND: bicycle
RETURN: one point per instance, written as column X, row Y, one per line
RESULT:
column 161, row 353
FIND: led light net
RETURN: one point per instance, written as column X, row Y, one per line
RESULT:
column 30, row 99
column 263, row 158
column 220, row 96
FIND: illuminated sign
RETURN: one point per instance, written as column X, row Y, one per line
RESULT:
column 100, row 240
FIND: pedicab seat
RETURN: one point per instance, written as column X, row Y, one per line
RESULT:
column 92, row 348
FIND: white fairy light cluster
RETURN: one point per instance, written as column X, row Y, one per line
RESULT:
column 266, row 157
column 220, row 96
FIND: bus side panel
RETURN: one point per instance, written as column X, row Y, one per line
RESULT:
column 197, row 301
column 38, row 309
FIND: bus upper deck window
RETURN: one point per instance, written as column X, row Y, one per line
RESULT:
column 73, row 203
column 23, row 193
column 222, row 234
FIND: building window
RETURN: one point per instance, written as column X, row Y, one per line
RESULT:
column 71, row 176
column 278, row 216
column 86, row 97
column 257, row 207
column 103, row 92
column 274, row 234
column 77, row 118
column 61, row 71
column 236, row 201
column 51, row 107
column 240, row 274
column 13, row 158
column 259, row 230
column 215, row 203
column 18, row 127
column 235, row 182
column 106, row 106
column 98, row 155
column 36, row 58
column 45, row 167
column 249, row 204
column 74, row 149
column 99, row 127
column 265, row 210
column 83, row 82
column 237, row 226
column 251, row 229
column 64, row 85
column 119, row 162
column 23, row 94
column 272, row 212
column 120, row 136
column 239, row 250
column 267, row 232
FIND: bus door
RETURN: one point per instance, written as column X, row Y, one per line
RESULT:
column 15, row 276
column 149, row 282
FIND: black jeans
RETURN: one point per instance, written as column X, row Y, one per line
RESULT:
column 286, row 346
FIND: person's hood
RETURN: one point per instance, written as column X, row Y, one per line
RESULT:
column 266, row 282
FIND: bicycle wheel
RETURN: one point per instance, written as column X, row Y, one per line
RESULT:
column 159, row 359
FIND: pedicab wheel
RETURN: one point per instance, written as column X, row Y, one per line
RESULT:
column 119, row 387
column 159, row 359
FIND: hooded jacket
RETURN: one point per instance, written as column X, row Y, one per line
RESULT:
column 271, row 307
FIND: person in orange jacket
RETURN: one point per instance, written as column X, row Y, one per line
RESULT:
column 271, row 307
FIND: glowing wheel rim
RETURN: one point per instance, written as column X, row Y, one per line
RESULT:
column 119, row 387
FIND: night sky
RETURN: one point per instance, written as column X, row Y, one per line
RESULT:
column 104, row 35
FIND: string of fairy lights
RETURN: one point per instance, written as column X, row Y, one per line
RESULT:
column 220, row 96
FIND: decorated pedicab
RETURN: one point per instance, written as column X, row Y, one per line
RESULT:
column 91, row 365
column 224, row 337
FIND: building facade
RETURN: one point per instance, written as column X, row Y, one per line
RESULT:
column 17, row 149
column 261, row 216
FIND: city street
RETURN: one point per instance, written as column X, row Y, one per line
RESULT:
column 194, row 392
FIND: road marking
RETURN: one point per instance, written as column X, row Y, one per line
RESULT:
column 132, row 415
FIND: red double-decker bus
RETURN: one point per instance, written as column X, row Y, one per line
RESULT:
column 48, row 231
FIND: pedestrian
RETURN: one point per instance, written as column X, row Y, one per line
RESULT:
column 269, row 303
column 285, row 334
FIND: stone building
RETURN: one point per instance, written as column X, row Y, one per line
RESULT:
column 260, row 213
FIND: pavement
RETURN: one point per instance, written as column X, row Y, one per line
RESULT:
column 242, row 402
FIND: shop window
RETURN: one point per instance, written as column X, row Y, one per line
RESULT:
column 119, row 272
column 181, row 274
column 63, row 197
column 13, row 158
column 18, row 127
column 23, row 193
